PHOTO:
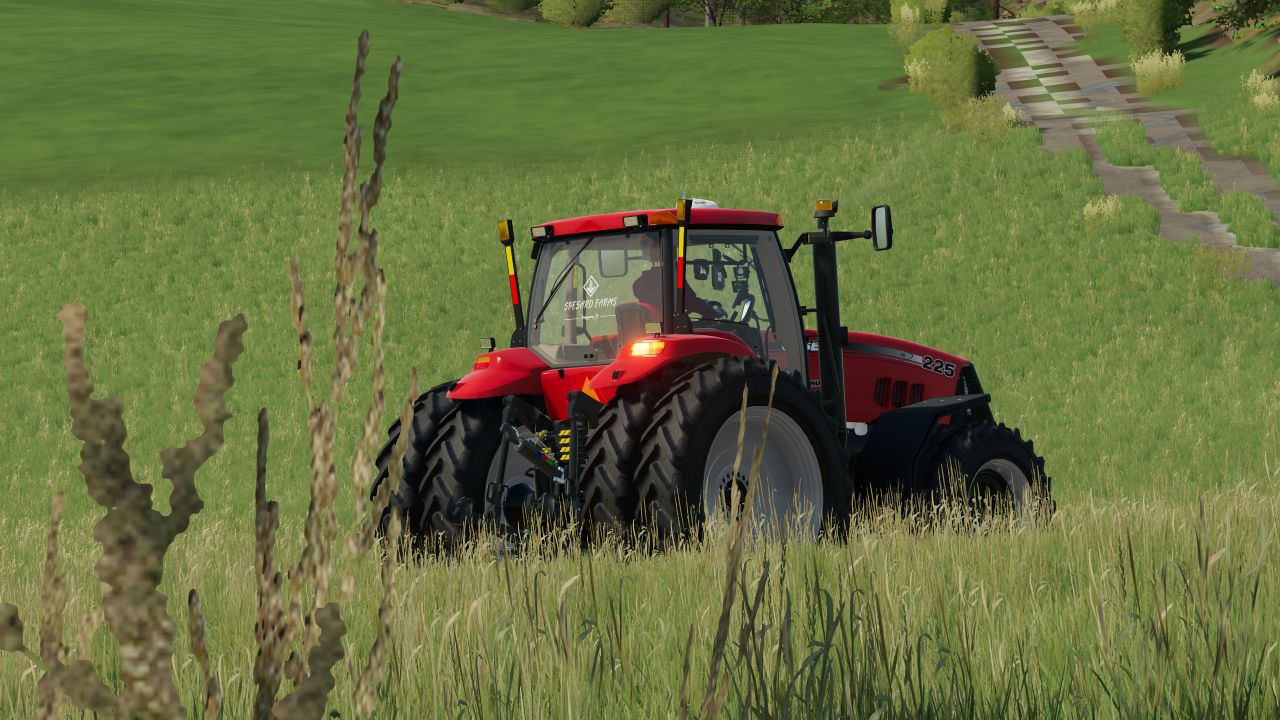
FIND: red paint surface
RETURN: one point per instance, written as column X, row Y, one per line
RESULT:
column 862, row 370
column 700, row 216
column 513, row 371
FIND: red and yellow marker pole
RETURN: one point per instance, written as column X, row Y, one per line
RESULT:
column 683, row 208
column 507, row 235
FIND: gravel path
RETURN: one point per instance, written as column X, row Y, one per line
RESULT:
column 1061, row 78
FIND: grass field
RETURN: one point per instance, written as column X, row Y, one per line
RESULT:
column 141, row 88
column 1120, row 609
column 1144, row 376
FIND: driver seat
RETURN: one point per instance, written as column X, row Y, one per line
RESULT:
column 632, row 318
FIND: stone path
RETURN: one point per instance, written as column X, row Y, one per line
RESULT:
column 1061, row 78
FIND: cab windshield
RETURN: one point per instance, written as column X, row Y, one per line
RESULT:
column 593, row 294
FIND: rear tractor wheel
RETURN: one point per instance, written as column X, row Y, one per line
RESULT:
column 612, row 453
column 452, row 446
column 693, row 468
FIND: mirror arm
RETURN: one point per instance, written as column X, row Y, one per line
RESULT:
column 811, row 238
column 791, row 251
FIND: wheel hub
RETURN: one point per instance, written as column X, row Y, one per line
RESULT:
column 789, row 490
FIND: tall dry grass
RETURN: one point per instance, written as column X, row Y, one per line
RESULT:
column 299, row 630
column 1090, row 15
column 1263, row 91
column 1157, row 71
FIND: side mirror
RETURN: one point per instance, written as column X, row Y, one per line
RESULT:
column 701, row 269
column 881, row 227
column 613, row 263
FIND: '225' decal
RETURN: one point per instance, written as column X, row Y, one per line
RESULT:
column 938, row 366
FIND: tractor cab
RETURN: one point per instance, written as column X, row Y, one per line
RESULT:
column 595, row 293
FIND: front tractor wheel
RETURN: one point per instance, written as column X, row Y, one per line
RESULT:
column 693, row 468
column 993, row 469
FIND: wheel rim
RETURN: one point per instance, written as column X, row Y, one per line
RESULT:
column 790, row 483
column 1000, row 483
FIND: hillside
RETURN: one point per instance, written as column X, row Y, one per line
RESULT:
column 186, row 88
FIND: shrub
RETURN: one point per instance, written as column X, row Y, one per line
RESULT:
column 511, row 6
column 859, row 11
column 1151, row 25
column 989, row 118
column 925, row 11
column 1156, row 71
column 950, row 68
column 580, row 13
column 638, row 11
column 965, row 10
column 905, row 26
column 1052, row 7
column 1263, row 91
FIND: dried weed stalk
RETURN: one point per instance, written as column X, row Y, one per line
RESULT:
column 309, row 622
column 135, row 537
column 718, row 686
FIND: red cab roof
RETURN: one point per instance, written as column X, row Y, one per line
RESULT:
column 697, row 216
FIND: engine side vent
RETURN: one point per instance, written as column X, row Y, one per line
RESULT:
column 899, row 393
column 882, row 392
column 917, row 394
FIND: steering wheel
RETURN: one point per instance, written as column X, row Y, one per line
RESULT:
column 718, row 309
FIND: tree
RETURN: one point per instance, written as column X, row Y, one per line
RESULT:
column 713, row 11
column 1237, row 14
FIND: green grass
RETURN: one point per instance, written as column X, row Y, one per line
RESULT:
column 990, row 264
column 1105, row 44
column 148, row 88
column 1184, row 178
column 1119, row 609
column 1125, row 143
column 1250, row 219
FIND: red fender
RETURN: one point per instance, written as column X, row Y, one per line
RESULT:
column 513, row 371
column 629, row 368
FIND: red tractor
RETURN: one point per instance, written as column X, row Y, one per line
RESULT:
column 620, row 399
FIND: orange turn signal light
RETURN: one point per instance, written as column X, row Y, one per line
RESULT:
column 647, row 348
column 504, row 232
column 482, row 362
column 824, row 206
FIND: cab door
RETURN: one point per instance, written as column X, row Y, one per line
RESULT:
column 739, row 282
